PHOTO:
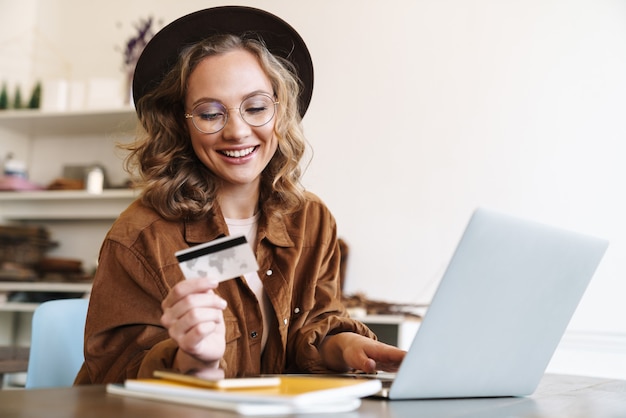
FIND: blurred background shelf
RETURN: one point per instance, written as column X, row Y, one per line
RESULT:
column 36, row 122
column 64, row 204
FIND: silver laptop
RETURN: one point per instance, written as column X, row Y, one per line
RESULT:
column 500, row 310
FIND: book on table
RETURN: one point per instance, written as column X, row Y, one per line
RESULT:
column 265, row 395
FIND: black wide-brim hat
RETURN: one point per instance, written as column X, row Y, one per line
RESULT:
column 163, row 50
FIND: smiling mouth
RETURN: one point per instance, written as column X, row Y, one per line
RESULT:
column 238, row 153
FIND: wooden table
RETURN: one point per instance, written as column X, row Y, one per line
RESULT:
column 557, row 396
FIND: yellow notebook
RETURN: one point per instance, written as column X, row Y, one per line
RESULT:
column 236, row 383
column 292, row 394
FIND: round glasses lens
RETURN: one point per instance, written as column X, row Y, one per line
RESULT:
column 209, row 117
column 257, row 110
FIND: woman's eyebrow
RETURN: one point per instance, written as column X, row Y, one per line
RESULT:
column 204, row 100
column 244, row 97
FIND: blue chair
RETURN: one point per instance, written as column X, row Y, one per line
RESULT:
column 56, row 350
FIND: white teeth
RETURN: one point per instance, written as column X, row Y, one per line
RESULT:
column 238, row 153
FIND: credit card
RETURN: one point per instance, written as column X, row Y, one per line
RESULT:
column 221, row 259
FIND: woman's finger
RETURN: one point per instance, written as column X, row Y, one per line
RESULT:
column 188, row 287
column 192, row 307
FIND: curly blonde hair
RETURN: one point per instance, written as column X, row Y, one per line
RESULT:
column 174, row 181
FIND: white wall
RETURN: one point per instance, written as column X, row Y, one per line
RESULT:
column 17, row 40
column 422, row 111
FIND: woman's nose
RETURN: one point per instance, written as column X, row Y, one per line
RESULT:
column 235, row 128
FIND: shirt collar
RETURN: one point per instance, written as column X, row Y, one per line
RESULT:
column 272, row 228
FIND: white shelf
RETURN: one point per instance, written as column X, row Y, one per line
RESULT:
column 66, row 195
column 6, row 286
column 76, row 219
column 36, row 122
column 18, row 307
column 54, row 287
column 64, row 204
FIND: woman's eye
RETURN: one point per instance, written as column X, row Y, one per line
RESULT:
column 209, row 115
column 210, row 112
column 256, row 109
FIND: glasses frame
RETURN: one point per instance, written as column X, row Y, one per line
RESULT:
column 227, row 113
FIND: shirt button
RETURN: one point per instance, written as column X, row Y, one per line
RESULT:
column 285, row 321
column 253, row 334
column 269, row 272
column 297, row 310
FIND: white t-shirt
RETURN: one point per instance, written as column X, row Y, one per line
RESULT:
column 248, row 228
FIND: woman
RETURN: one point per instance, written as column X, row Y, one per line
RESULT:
column 220, row 156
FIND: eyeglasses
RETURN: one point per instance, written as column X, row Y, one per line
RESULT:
column 211, row 117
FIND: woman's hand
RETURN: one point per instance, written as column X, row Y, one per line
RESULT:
column 193, row 316
column 349, row 351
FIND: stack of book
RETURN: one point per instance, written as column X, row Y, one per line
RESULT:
column 267, row 395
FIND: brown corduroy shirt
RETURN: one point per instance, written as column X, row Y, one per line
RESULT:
column 298, row 257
